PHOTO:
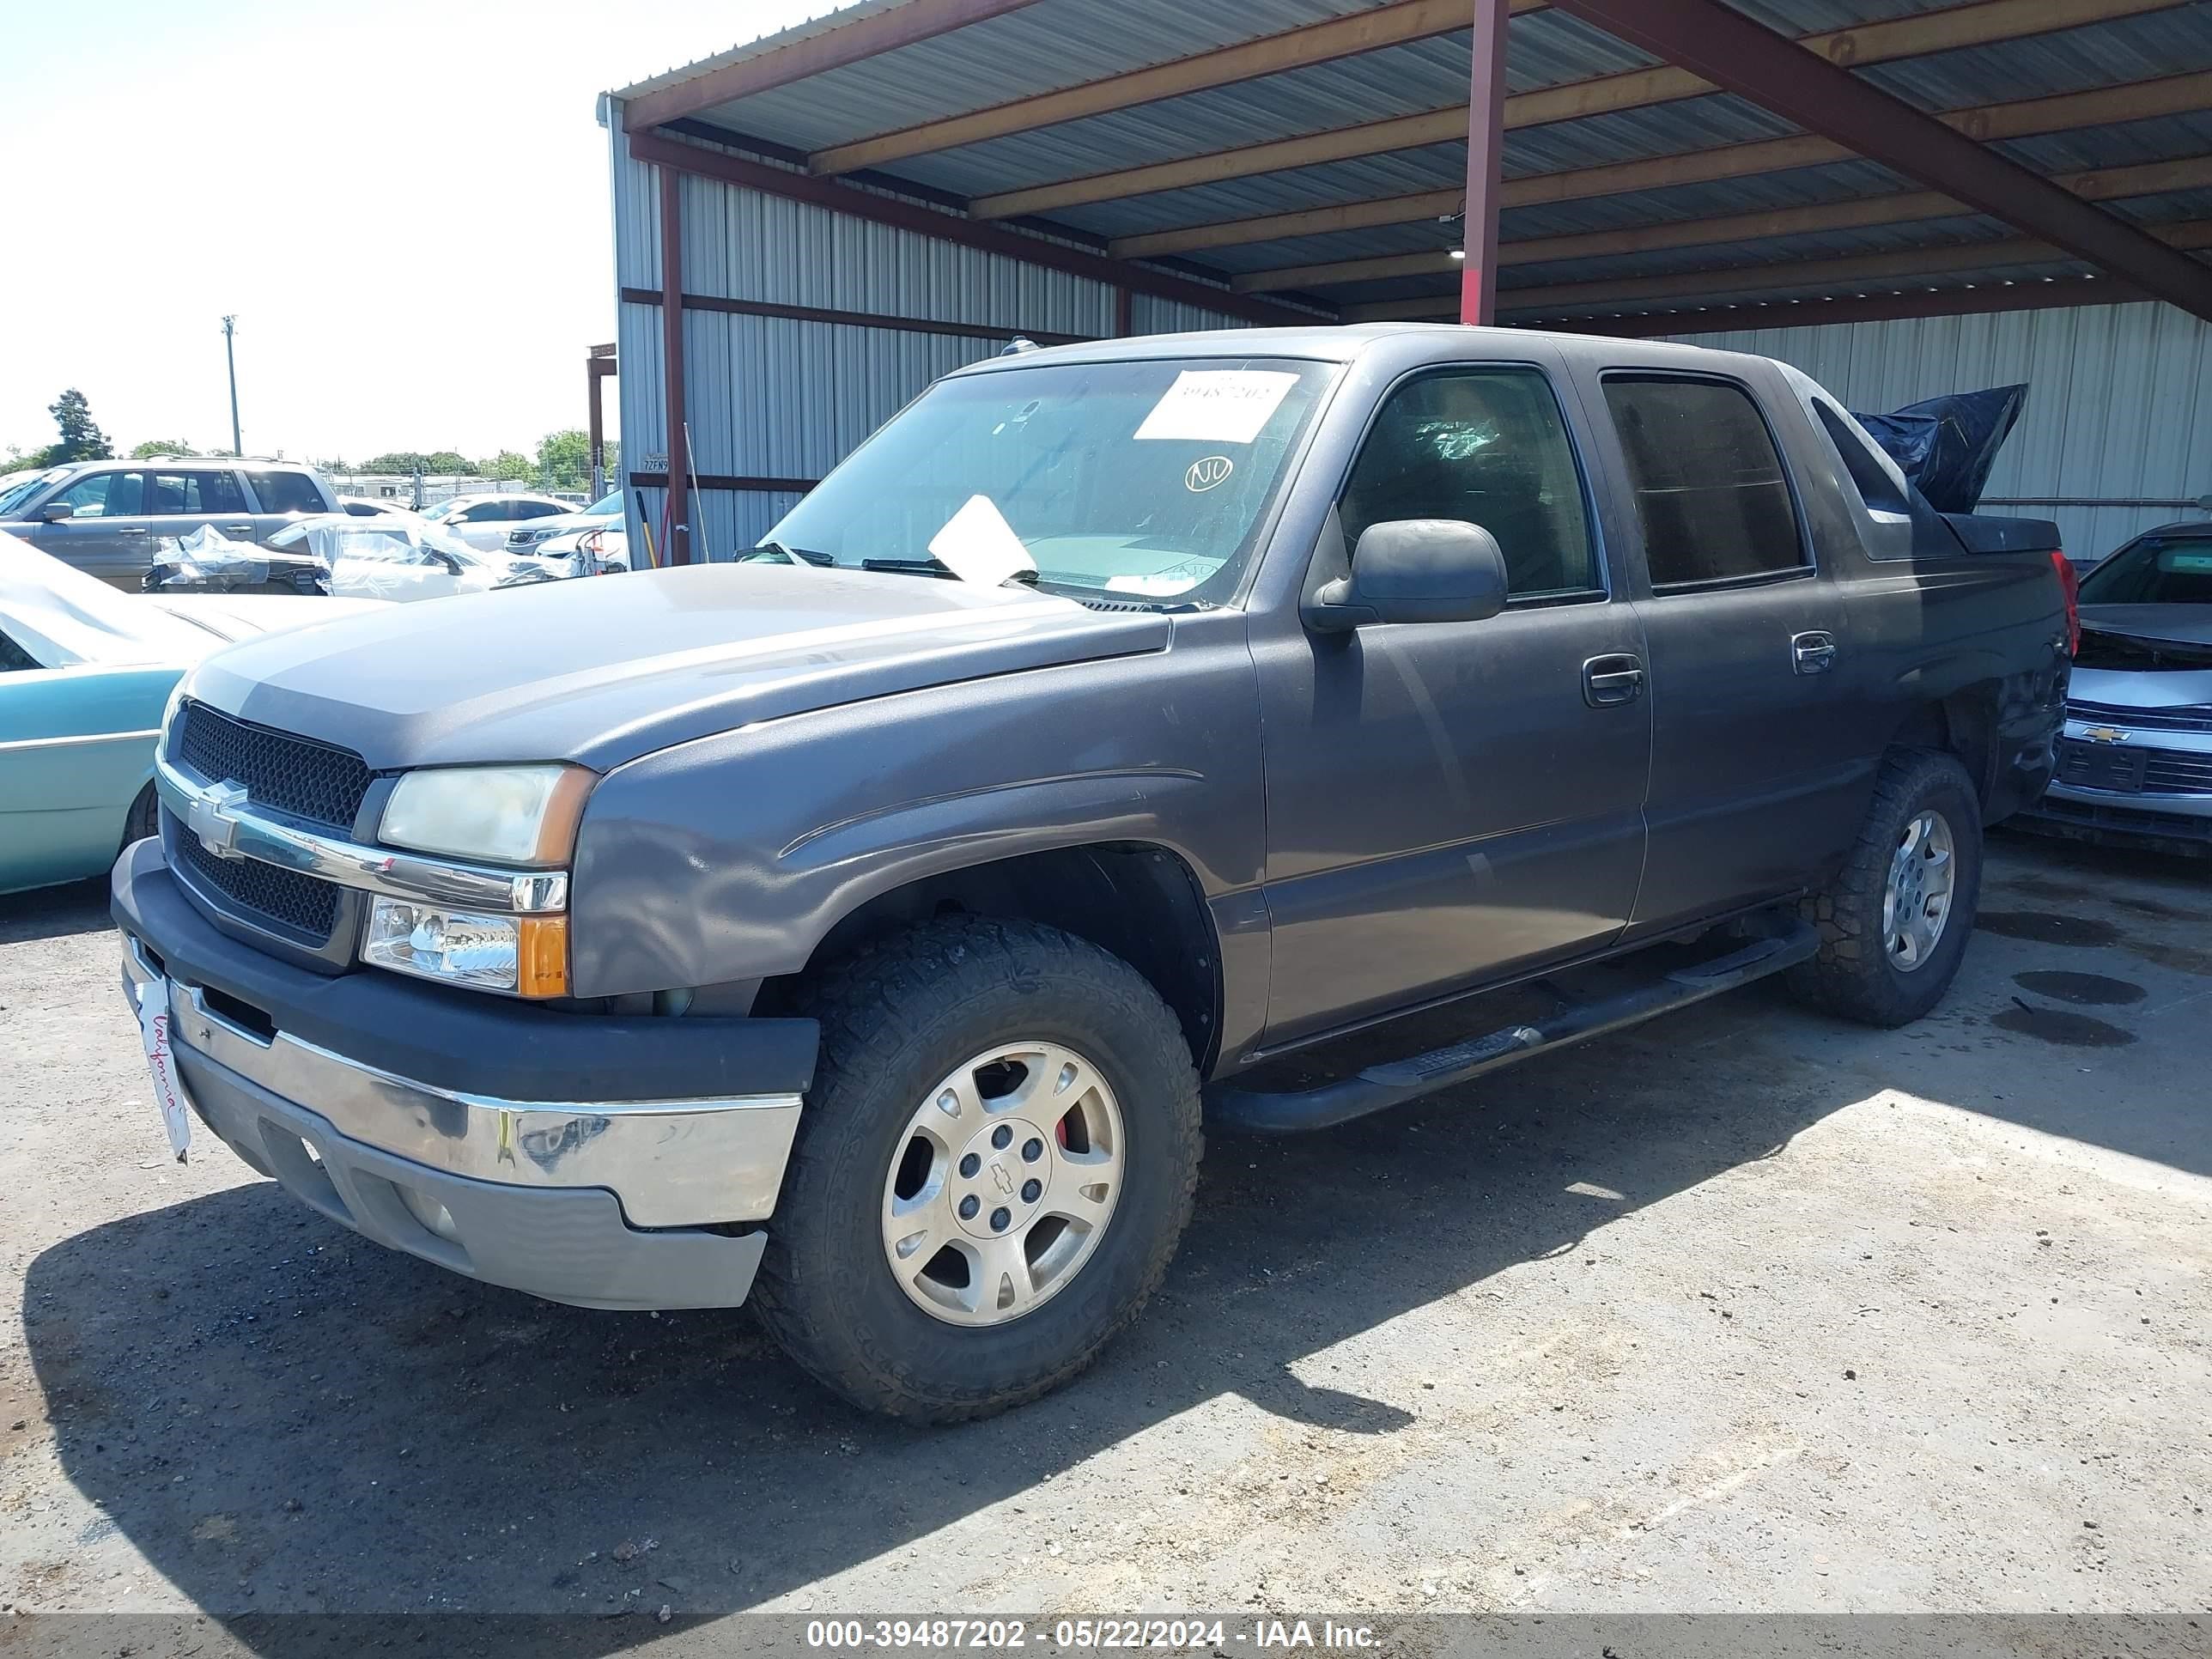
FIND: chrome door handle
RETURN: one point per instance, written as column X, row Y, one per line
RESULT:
column 238, row 530
column 124, row 529
column 1814, row 653
column 1613, row 679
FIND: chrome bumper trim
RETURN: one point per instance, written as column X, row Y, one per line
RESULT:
column 226, row 824
column 671, row 1162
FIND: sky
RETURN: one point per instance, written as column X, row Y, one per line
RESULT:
column 404, row 203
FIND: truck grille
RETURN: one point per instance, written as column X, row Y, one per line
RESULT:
column 304, row 906
column 2125, row 769
column 2186, row 717
column 294, row 776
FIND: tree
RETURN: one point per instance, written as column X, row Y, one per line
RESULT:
column 509, row 465
column 19, row 459
column 153, row 447
column 564, row 459
column 82, row 441
column 405, row 462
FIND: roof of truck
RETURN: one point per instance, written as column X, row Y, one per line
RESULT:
column 1340, row 344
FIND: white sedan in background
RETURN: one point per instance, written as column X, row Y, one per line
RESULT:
column 485, row 521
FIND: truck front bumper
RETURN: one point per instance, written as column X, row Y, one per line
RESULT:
column 605, row 1162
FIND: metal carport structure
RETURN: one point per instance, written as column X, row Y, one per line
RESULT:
column 809, row 228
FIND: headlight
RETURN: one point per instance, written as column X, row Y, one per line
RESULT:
column 525, row 955
column 506, row 814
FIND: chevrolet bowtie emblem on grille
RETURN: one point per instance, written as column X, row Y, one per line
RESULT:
column 2103, row 734
column 213, row 816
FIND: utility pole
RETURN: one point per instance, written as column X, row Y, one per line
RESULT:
column 229, row 356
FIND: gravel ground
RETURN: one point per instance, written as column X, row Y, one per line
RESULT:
column 1741, row 1311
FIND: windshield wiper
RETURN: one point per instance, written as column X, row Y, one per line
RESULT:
column 798, row 555
column 934, row 567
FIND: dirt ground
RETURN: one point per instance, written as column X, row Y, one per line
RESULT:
column 1744, row 1310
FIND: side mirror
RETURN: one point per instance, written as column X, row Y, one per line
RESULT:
column 446, row 561
column 1414, row 570
column 55, row 511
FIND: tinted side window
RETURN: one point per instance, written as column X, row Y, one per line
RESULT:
column 106, row 495
column 536, row 510
column 195, row 492
column 1488, row 446
column 485, row 512
column 14, row 657
column 1710, row 488
column 286, row 492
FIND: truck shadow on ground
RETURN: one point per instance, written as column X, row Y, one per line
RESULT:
column 282, row 1417
column 54, row 912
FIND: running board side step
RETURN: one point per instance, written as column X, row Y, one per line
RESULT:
column 1393, row 1083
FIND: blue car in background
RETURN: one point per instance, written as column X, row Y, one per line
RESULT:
column 85, row 673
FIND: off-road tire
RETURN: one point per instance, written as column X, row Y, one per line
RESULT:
column 896, row 1016
column 1853, row 976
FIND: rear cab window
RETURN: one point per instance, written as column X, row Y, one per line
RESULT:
column 1712, row 497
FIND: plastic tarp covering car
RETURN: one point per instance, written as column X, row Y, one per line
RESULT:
column 1948, row 445
column 207, row 560
column 403, row 558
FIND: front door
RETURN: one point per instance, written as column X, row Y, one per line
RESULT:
column 105, row 535
column 1449, row 803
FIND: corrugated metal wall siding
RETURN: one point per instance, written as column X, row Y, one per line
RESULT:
column 2119, row 402
column 779, row 398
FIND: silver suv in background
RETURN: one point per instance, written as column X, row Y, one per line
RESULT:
column 107, row 518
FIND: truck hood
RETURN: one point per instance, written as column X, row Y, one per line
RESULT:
column 603, row 669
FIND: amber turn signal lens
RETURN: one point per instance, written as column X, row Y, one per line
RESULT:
column 542, row 956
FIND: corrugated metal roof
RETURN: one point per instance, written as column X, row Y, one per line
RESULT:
column 1056, row 43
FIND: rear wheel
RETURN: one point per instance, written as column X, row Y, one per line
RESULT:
column 992, row 1173
column 1893, row 923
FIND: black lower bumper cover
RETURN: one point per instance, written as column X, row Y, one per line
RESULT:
column 466, row 1042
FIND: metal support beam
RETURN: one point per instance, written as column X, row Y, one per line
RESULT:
column 1980, row 24
column 1858, row 213
column 678, row 550
column 1900, row 271
column 1486, row 156
column 669, row 154
column 1333, row 37
column 2064, row 292
column 596, row 367
column 1724, row 46
column 2067, row 112
column 748, row 71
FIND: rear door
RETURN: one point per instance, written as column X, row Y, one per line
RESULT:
column 1449, row 803
column 1755, row 771
column 181, row 499
column 105, row 535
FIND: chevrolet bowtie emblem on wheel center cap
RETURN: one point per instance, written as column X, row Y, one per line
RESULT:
column 213, row 816
column 999, row 1177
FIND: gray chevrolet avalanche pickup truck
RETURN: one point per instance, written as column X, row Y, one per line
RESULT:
column 869, row 928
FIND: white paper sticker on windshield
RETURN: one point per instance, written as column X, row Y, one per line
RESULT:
column 978, row 545
column 1218, row 405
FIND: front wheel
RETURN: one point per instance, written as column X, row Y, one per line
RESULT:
column 992, row 1171
column 1893, row 923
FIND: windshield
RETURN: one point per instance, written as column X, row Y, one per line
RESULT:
column 609, row 506
column 445, row 509
column 17, row 488
column 2153, row 570
column 1138, row 480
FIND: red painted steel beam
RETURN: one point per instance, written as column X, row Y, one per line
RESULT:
column 672, row 156
column 678, row 550
column 1485, row 150
column 905, row 25
column 1725, row 47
